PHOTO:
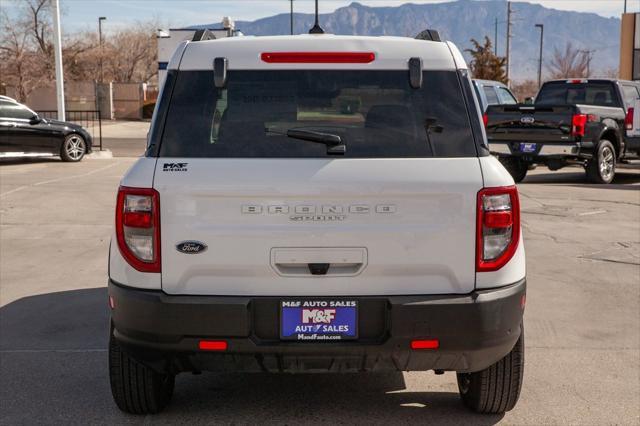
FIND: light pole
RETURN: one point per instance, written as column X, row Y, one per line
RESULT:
column 57, row 49
column 495, row 38
column 100, row 19
column 587, row 54
column 541, row 26
column 508, row 53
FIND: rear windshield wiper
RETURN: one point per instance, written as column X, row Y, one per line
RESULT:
column 431, row 126
column 333, row 142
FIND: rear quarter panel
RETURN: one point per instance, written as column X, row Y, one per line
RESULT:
column 495, row 175
column 140, row 175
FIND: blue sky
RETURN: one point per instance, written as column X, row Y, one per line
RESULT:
column 82, row 14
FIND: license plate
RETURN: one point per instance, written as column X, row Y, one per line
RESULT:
column 528, row 147
column 319, row 320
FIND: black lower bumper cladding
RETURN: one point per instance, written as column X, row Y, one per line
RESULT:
column 473, row 331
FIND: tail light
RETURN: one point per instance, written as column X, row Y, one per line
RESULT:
column 425, row 344
column 498, row 227
column 485, row 119
column 578, row 123
column 138, row 227
column 212, row 345
column 628, row 119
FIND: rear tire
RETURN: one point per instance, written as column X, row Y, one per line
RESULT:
column 136, row 388
column 602, row 167
column 495, row 389
column 516, row 167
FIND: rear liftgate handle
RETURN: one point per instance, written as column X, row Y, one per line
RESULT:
column 324, row 261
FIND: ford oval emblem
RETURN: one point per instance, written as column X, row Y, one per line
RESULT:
column 527, row 120
column 191, row 247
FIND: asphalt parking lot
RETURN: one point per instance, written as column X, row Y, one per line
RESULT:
column 582, row 319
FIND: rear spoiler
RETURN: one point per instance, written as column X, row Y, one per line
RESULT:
column 429, row 34
column 202, row 35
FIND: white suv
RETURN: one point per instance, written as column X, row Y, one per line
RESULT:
column 317, row 203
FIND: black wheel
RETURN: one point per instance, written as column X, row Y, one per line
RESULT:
column 602, row 167
column 516, row 167
column 73, row 148
column 495, row 389
column 137, row 389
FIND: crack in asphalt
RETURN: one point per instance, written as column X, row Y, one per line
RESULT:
column 544, row 214
column 551, row 237
column 611, row 202
column 532, row 198
column 609, row 260
column 542, row 204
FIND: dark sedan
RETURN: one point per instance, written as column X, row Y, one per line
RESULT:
column 22, row 130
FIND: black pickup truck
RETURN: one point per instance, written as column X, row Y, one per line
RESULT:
column 593, row 123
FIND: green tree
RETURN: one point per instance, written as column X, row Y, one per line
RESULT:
column 484, row 63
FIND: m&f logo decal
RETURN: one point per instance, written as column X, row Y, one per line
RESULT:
column 174, row 167
column 318, row 316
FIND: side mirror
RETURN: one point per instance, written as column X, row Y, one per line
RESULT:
column 35, row 119
column 528, row 101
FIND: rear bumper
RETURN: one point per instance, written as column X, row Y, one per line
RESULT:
column 543, row 150
column 474, row 331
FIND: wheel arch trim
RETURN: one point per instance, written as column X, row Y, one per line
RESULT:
column 612, row 134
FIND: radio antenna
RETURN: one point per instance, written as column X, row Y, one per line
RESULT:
column 316, row 27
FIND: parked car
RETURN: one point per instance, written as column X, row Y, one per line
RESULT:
column 490, row 92
column 592, row 123
column 345, row 217
column 24, row 131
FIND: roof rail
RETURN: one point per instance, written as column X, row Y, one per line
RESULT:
column 431, row 35
column 202, row 35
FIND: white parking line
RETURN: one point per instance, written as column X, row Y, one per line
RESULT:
column 20, row 188
column 44, row 182
column 590, row 213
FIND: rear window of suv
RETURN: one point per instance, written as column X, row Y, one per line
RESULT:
column 376, row 114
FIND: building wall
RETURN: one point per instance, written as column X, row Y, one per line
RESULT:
column 630, row 47
column 117, row 100
column 78, row 96
column 127, row 101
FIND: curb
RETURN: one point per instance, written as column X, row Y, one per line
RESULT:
column 105, row 154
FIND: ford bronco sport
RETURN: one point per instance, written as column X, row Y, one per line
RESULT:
column 317, row 203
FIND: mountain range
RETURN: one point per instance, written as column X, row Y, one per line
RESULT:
column 461, row 20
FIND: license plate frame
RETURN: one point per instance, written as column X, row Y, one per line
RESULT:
column 325, row 320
